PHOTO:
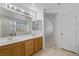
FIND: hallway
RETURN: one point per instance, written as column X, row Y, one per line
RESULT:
column 54, row 52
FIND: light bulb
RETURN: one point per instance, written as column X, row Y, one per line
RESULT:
column 22, row 10
column 9, row 6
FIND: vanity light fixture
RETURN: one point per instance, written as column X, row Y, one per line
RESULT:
column 11, row 7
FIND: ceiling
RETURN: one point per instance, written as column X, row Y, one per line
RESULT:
column 56, row 5
column 41, row 5
column 53, row 6
column 48, row 6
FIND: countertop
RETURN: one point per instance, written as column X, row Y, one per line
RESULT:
column 6, row 40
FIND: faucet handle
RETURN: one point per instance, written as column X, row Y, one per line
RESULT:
column 10, row 34
column 14, row 34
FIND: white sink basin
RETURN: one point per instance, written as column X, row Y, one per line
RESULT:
column 4, row 40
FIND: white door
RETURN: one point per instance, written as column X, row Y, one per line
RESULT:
column 68, row 32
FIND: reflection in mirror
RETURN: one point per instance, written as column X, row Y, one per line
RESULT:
column 5, row 27
column 37, row 25
column 21, row 27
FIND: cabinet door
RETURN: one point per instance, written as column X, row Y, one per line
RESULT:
column 17, row 49
column 5, row 52
column 37, row 44
column 28, row 47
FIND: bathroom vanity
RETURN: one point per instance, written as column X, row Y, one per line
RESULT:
column 19, row 25
column 25, row 47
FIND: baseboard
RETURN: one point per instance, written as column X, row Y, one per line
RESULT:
column 69, row 51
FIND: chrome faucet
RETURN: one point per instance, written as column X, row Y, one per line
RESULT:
column 12, row 36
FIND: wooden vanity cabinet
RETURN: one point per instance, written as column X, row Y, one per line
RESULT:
column 37, row 44
column 16, row 49
column 23, row 48
column 29, row 47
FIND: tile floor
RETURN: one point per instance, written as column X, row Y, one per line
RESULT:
column 54, row 52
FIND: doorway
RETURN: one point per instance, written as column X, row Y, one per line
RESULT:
column 50, row 29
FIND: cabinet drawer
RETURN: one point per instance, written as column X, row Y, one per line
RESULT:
column 29, row 52
column 28, row 48
column 29, row 43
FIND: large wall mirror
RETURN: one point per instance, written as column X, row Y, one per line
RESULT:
column 12, row 23
column 13, row 26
